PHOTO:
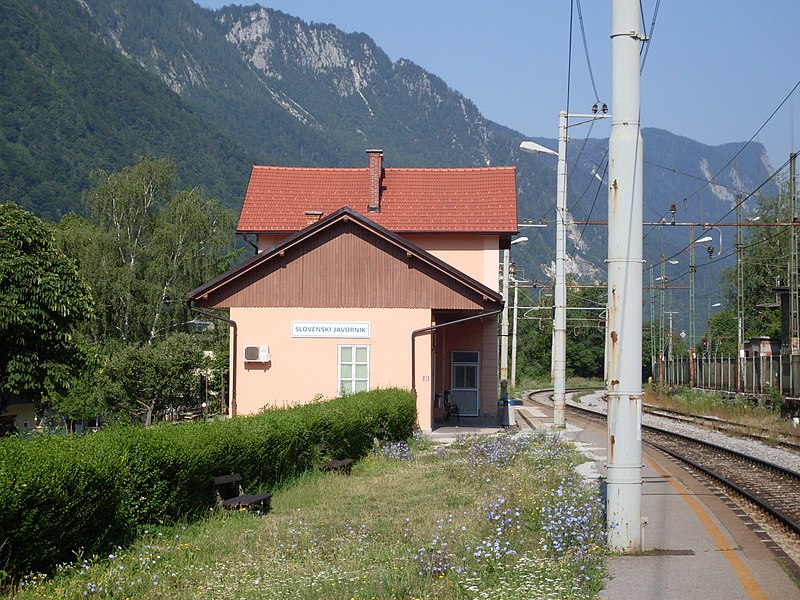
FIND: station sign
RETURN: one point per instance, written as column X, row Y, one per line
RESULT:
column 330, row 329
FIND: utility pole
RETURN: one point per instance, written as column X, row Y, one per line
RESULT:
column 652, row 329
column 794, row 301
column 739, row 296
column 662, row 307
column 560, row 292
column 504, row 318
column 514, row 338
column 692, row 314
column 559, row 353
column 624, row 341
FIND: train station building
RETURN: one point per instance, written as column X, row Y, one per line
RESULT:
column 366, row 278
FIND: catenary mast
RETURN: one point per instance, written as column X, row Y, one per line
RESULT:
column 624, row 327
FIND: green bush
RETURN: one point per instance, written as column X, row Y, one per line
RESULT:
column 63, row 496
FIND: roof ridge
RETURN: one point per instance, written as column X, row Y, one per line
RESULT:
column 284, row 168
column 366, row 169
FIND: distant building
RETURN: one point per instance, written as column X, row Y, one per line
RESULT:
column 16, row 414
column 368, row 278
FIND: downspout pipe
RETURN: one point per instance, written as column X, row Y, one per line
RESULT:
column 234, row 362
column 417, row 332
column 249, row 242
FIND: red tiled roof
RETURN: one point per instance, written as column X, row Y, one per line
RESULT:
column 413, row 200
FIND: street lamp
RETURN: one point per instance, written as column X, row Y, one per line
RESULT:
column 560, row 296
column 708, row 238
column 504, row 318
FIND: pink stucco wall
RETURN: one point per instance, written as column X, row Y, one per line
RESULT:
column 476, row 255
column 304, row 368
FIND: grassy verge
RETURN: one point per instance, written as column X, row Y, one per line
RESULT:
column 488, row 517
column 739, row 409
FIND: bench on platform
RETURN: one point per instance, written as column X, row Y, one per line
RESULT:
column 450, row 409
column 230, row 494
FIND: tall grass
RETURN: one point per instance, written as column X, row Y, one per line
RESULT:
column 488, row 517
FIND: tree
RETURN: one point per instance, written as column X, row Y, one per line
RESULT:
column 765, row 265
column 585, row 341
column 534, row 340
column 42, row 301
column 149, row 377
column 145, row 248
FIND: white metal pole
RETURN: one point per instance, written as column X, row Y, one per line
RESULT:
column 692, row 311
column 624, row 344
column 560, row 292
column 504, row 320
column 514, row 326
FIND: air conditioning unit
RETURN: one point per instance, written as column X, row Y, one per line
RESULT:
column 253, row 354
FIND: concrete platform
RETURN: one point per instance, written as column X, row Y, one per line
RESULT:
column 695, row 546
column 449, row 431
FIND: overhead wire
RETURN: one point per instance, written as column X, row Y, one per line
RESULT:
column 709, row 226
column 586, row 52
column 646, row 47
column 747, row 143
column 581, row 150
column 712, row 180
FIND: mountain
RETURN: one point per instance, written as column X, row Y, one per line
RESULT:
column 94, row 83
column 71, row 103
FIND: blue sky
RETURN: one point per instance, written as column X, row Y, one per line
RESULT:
column 715, row 70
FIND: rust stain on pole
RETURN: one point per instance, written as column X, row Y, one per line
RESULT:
column 613, row 199
column 611, row 448
column 612, row 351
column 612, row 361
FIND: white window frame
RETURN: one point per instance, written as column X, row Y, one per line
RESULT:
column 353, row 363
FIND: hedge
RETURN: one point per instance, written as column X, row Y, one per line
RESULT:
column 61, row 496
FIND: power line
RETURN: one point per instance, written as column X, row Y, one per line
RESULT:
column 586, row 52
column 649, row 37
column 741, row 201
column 747, row 143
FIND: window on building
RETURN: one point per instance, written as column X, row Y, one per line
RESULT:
column 353, row 369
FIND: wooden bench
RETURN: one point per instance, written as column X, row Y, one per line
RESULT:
column 224, row 484
column 338, row 465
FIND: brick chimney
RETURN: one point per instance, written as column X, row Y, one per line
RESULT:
column 375, row 179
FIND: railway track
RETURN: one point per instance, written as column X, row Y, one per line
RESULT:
column 773, row 489
column 767, row 495
column 790, row 441
column 770, row 487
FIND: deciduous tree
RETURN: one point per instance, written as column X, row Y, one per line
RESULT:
column 144, row 378
column 42, row 300
column 145, row 247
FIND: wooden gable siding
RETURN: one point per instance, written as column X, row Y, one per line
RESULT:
column 345, row 266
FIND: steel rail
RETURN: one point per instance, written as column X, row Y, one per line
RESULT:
column 790, row 522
